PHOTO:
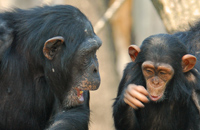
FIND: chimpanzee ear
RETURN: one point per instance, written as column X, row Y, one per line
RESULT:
column 188, row 62
column 51, row 46
column 133, row 51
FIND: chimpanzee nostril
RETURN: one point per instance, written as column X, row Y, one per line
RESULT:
column 95, row 70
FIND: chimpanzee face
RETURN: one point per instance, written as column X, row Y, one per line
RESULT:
column 86, row 70
column 87, row 76
column 157, row 75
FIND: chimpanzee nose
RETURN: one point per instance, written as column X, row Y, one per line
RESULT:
column 95, row 70
column 155, row 80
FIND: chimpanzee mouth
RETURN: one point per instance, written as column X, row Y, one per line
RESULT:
column 155, row 98
column 80, row 94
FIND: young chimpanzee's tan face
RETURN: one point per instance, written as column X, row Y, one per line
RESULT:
column 156, row 68
column 157, row 75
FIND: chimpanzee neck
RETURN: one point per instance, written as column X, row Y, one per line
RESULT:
column 163, row 116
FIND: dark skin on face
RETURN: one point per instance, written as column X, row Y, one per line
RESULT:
column 157, row 75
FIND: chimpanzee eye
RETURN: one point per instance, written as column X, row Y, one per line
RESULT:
column 149, row 71
column 162, row 72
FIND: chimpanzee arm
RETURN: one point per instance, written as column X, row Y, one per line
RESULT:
column 73, row 119
column 76, row 118
column 124, row 115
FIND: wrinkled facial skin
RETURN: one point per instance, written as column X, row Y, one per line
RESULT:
column 157, row 76
column 85, row 72
column 86, row 69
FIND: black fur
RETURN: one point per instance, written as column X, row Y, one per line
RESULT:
column 177, row 111
column 31, row 96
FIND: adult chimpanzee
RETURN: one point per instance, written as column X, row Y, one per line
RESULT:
column 48, row 65
column 163, row 77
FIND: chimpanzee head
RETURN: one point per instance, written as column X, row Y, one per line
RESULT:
column 163, row 60
column 67, row 45
column 72, row 55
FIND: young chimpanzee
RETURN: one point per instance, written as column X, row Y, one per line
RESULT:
column 156, row 90
column 48, row 64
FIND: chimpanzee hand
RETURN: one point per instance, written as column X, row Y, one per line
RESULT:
column 134, row 96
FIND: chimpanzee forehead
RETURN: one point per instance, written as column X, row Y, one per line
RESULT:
column 90, row 44
column 156, row 64
column 88, row 29
column 91, row 41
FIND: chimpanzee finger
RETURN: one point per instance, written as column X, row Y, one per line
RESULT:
column 133, row 91
column 142, row 90
column 130, row 104
column 138, row 95
column 133, row 100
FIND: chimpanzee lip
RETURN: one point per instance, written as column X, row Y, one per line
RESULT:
column 80, row 94
column 155, row 98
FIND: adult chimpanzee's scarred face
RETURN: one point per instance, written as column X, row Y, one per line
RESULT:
column 87, row 76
